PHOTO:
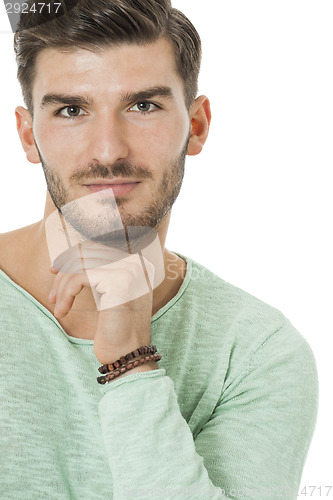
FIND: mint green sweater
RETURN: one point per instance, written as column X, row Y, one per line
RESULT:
column 230, row 412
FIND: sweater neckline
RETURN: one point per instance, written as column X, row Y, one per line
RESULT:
column 75, row 340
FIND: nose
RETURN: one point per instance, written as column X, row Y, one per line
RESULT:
column 108, row 139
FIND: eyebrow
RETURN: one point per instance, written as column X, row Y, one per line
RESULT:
column 143, row 95
column 77, row 100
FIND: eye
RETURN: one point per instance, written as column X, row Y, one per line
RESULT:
column 144, row 107
column 71, row 112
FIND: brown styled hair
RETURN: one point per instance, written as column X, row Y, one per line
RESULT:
column 96, row 24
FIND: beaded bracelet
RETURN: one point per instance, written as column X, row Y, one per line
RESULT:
column 128, row 366
column 147, row 349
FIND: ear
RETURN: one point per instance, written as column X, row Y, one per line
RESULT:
column 200, row 116
column 24, row 129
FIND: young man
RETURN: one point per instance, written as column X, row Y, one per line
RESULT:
column 110, row 88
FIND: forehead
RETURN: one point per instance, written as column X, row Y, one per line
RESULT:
column 110, row 70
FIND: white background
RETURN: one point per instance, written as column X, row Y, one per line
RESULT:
column 256, row 206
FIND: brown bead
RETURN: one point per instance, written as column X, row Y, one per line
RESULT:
column 120, row 366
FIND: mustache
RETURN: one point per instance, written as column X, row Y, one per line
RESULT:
column 121, row 169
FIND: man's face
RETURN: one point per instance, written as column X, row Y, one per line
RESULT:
column 116, row 119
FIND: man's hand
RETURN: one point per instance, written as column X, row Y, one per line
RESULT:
column 123, row 295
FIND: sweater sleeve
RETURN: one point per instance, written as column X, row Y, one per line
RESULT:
column 254, row 444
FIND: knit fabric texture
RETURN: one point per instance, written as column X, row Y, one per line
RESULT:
column 230, row 412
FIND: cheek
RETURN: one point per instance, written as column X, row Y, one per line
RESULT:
column 57, row 148
column 160, row 142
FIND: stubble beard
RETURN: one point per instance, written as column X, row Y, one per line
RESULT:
column 100, row 228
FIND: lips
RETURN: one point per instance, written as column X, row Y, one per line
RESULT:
column 119, row 188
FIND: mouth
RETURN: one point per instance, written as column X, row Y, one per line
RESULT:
column 120, row 187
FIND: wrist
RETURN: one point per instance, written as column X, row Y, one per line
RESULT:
column 152, row 365
column 142, row 359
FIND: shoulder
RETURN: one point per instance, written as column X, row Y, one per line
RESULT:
column 13, row 247
column 228, row 301
column 257, row 354
column 8, row 243
column 11, row 237
column 244, row 324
